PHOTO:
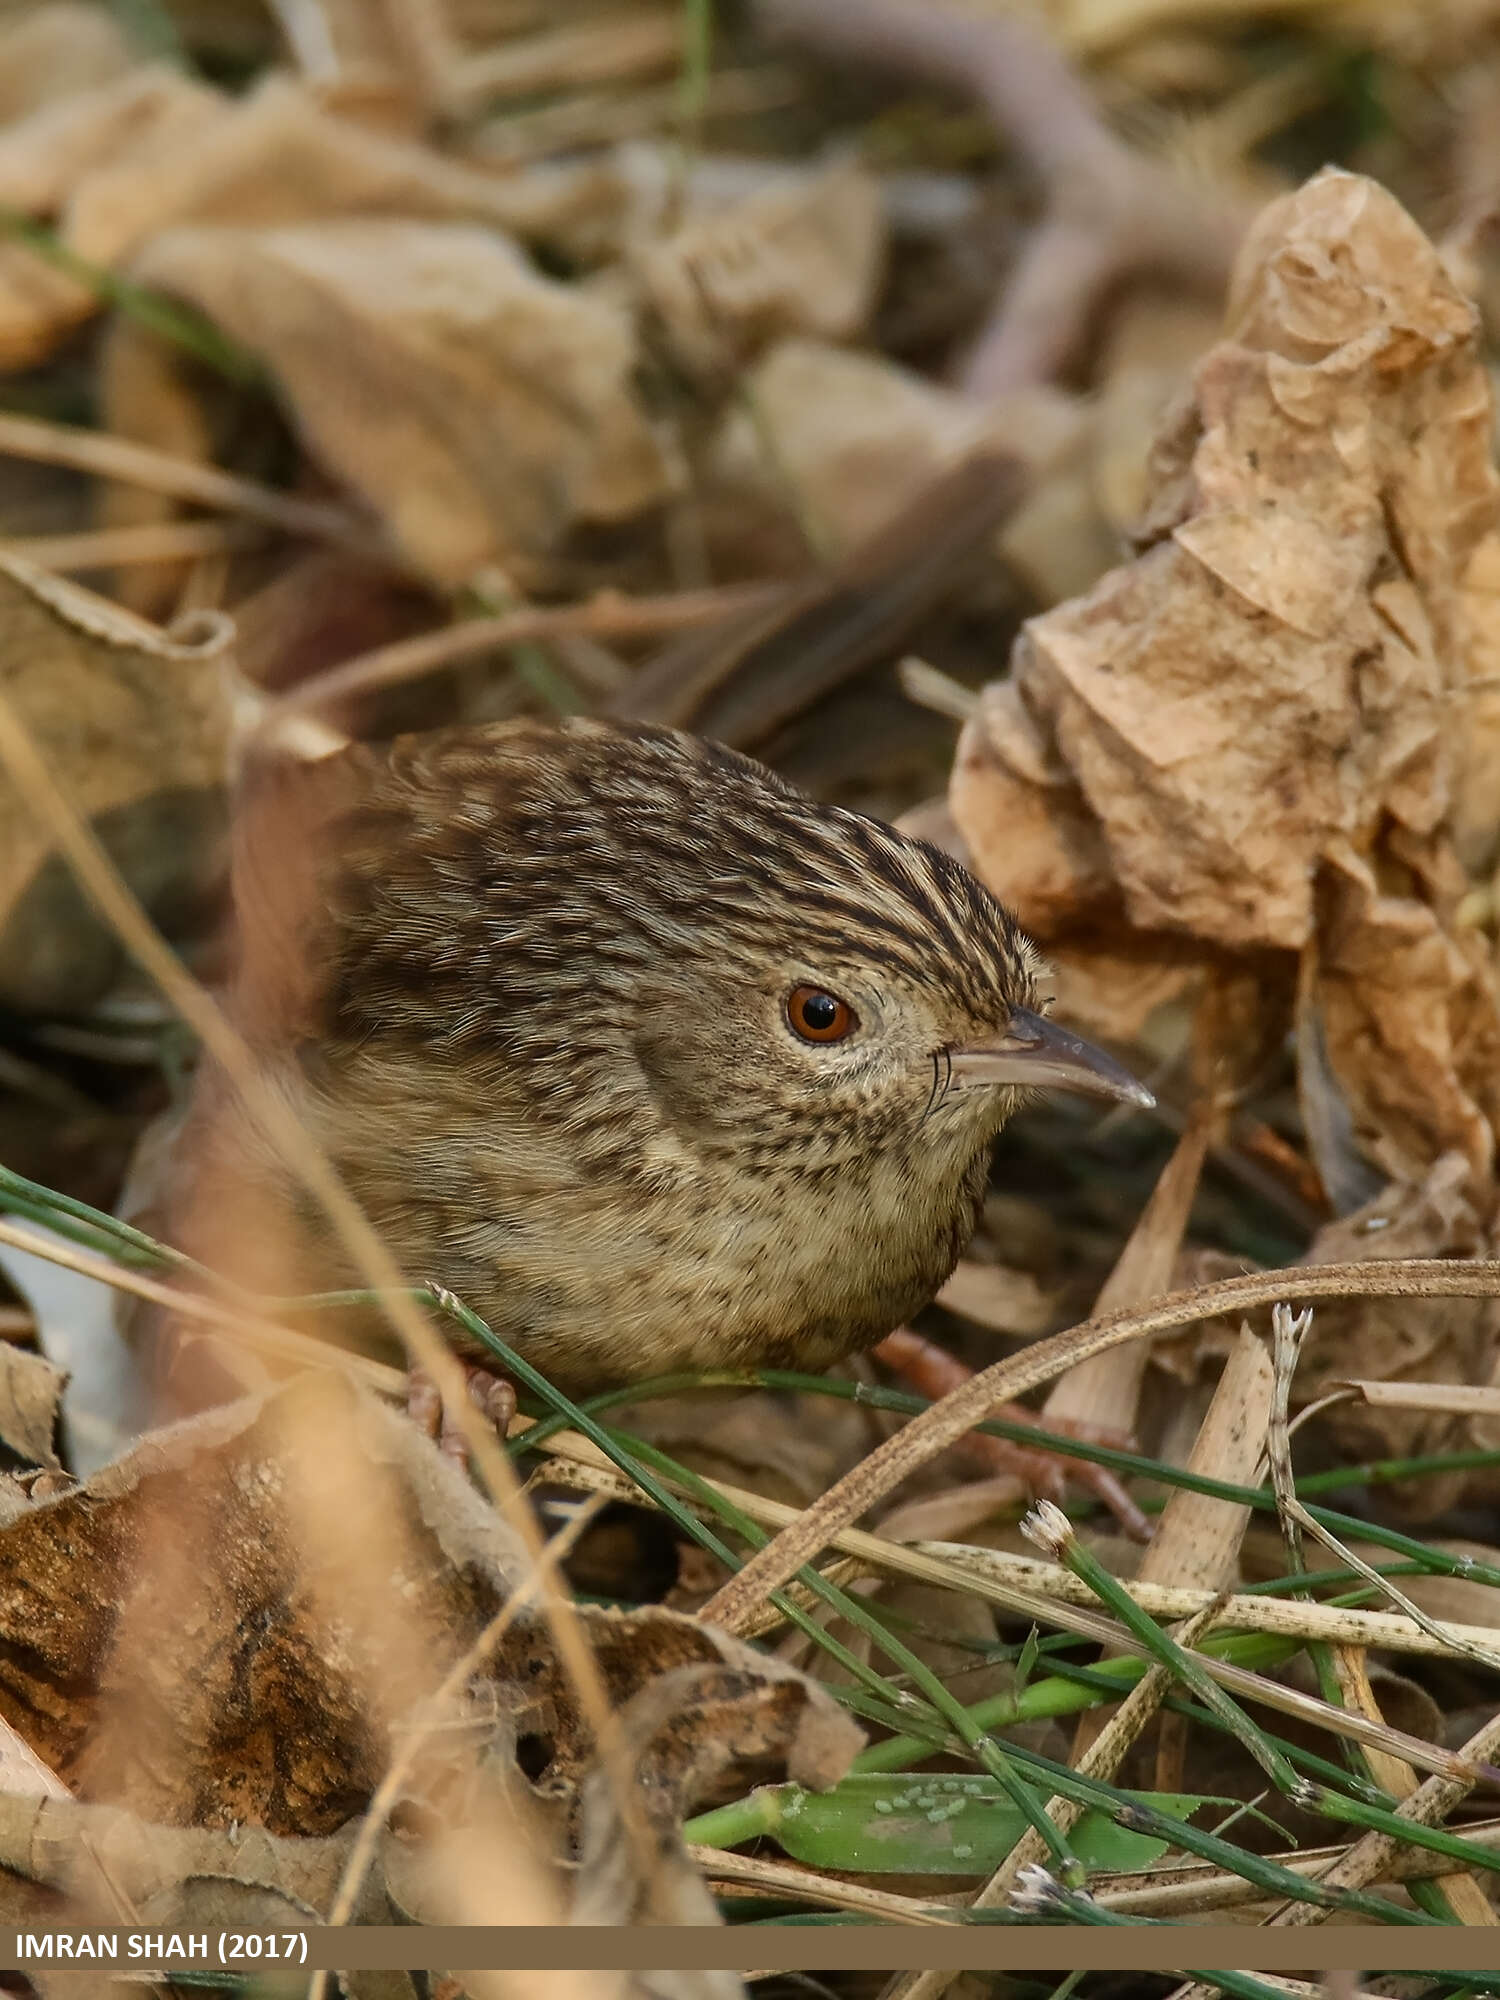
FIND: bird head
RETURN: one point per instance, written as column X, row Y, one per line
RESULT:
column 655, row 932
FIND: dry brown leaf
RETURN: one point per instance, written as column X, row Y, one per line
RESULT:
column 116, row 165
column 1476, row 782
column 54, row 51
column 481, row 409
column 798, row 257
column 88, row 1851
column 31, row 1388
column 281, row 157
column 1105, row 1391
column 134, row 723
column 846, row 439
column 1409, row 1023
column 43, row 158
column 203, row 1635
column 684, row 1731
column 1204, row 746
column 1002, row 1298
column 1348, row 394
column 46, row 156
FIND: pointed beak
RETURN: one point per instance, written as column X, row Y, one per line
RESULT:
column 1036, row 1054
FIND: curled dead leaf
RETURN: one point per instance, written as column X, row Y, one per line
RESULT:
column 481, row 409
column 206, row 1633
column 31, row 1389
column 1267, row 703
column 49, row 53
column 134, row 723
column 799, row 257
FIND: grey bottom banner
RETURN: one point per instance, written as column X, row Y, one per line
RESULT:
column 766, row 1948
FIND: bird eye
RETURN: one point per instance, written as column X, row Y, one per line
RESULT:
column 817, row 1016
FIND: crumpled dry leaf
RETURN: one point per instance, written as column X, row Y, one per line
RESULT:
column 31, row 1388
column 45, row 156
column 115, row 165
column 481, row 409
column 1476, row 782
column 1191, row 751
column 798, row 257
column 1409, row 1021
column 56, row 1845
column 56, row 50
column 279, row 157
column 134, row 723
column 203, row 1632
column 847, row 439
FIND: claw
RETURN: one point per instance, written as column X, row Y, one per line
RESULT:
column 494, row 1396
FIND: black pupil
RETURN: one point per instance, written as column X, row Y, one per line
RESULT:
column 819, row 1012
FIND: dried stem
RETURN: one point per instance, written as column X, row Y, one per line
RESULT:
column 922, row 1439
column 151, row 541
column 183, row 478
column 607, row 616
column 1373, row 1853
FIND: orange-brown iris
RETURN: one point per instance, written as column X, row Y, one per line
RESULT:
column 818, row 1016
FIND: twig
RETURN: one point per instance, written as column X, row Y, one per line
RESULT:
column 152, row 541
column 1288, row 1332
column 1373, row 1853
column 607, row 616
column 1110, row 211
column 783, row 1878
column 925, row 1436
column 112, row 457
column 563, row 58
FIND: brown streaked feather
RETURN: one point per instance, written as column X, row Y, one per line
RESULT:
column 525, row 984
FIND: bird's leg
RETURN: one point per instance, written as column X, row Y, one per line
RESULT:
column 933, row 1373
column 494, row 1396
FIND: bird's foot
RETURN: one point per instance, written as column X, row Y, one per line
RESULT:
column 933, row 1372
column 494, row 1396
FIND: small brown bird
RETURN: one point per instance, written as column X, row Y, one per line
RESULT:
column 654, row 1061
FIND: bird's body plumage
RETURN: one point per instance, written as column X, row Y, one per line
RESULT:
column 527, row 985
